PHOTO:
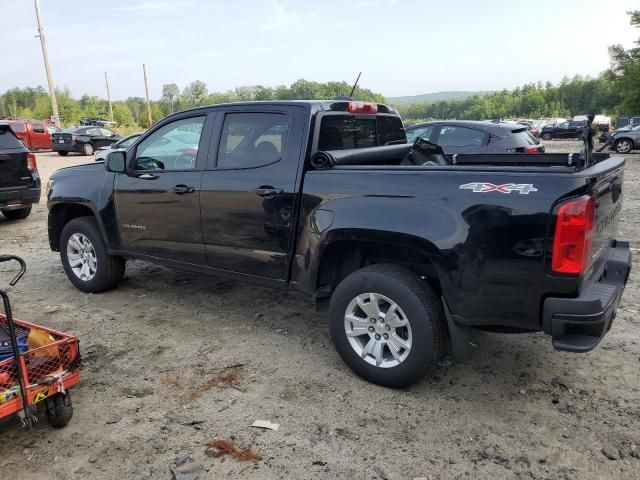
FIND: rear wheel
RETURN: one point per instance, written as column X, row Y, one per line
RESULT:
column 87, row 149
column 623, row 146
column 546, row 136
column 63, row 153
column 19, row 214
column 85, row 258
column 387, row 324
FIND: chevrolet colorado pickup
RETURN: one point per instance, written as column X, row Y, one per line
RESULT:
column 19, row 178
column 410, row 248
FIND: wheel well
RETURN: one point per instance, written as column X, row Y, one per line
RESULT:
column 342, row 258
column 59, row 216
column 627, row 139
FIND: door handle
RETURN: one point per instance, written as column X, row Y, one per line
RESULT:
column 182, row 189
column 147, row 176
column 267, row 190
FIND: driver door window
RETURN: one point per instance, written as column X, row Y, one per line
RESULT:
column 172, row 147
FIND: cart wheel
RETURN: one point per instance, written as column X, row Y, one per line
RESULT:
column 59, row 409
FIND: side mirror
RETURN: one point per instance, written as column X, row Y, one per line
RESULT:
column 115, row 162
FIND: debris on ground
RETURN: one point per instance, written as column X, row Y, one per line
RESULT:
column 227, row 448
column 266, row 424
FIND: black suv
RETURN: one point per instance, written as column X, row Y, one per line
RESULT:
column 563, row 130
column 84, row 140
column 19, row 179
column 457, row 136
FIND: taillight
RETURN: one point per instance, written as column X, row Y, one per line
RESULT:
column 533, row 150
column 363, row 107
column 574, row 233
column 31, row 162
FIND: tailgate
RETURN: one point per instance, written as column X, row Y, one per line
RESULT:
column 62, row 139
column 13, row 169
column 607, row 195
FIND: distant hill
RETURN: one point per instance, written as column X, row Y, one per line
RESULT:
column 436, row 97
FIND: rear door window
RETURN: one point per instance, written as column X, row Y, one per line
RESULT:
column 454, row 136
column 252, row 140
column 18, row 127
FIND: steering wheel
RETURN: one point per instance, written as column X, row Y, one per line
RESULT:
column 186, row 161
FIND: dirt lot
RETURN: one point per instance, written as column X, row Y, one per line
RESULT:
column 175, row 360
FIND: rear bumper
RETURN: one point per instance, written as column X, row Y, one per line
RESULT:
column 74, row 147
column 579, row 324
column 19, row 197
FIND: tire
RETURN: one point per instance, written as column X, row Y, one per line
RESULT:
column 59, row 410
column 546, row 136
column 418, row 306
column 63, row 153
column 87, row 149
column 17, row 214
column 100, row 270
column 623, row 145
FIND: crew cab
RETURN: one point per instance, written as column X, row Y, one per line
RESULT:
column 19, row 178
column 410, row 248
column 35, row 135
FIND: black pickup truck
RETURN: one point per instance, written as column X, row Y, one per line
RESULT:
column 19, row 178
column 411, row 248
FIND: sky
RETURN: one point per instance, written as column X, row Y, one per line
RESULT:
column 402, row 47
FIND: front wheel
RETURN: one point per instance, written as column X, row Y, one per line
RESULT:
column 387, row 324
column 87, row 149
column 623, row 146
column 59, row 409
column 85, row 258
column 19, row 214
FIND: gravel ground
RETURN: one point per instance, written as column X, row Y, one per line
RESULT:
column 174, row 361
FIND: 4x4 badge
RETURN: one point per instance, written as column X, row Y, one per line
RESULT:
column 483, row 187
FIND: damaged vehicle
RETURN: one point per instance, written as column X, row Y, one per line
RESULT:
column 409, row 248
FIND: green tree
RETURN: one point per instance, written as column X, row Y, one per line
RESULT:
column 625, row 71
column 122, row 114
column 170, row 95
column 195, row 93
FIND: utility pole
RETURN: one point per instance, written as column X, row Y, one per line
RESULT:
column 146, row 91
column 52, row 91
column 106, row 80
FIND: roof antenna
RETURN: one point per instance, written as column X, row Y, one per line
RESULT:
column 355, row 85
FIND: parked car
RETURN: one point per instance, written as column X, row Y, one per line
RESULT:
column 623, row 140
column 85, row 140
column 19, row 178
column 96, row 121
column 34, row 134
column 462, row 136
column 408, row 255
column 569, row 129
column 124, row 142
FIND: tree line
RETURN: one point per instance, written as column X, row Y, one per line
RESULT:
column 33, row 102
column 616, row 90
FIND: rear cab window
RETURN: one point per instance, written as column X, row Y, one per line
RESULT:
column 18, row 127
column 341, row 132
